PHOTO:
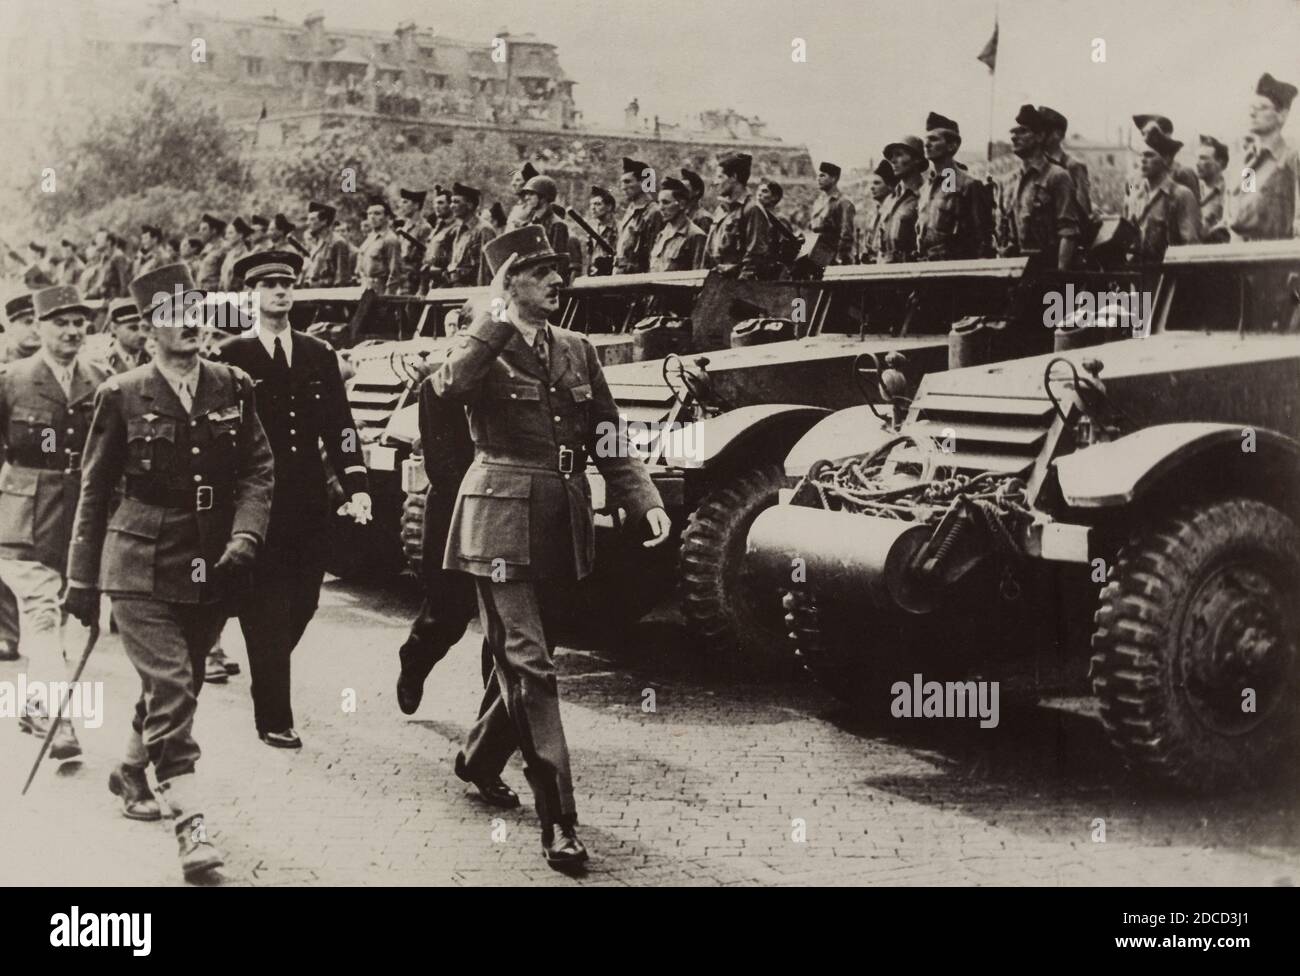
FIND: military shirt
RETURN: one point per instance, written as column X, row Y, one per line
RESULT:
column 1166, row 214
column 208, row 273
column 637, row 231
column 1040, row 209
column 44, row 434
column 193, row 479
column 609, row 234
column 328, row 263
column 897, row 229
column 740, row 240
column 833, row 219
column 1211, row 203
column 1077, row 170
column 1268, row 210
column 953, row 222
column 145, row 261
column 379, row 262
column 679, row 247
column 466, row 263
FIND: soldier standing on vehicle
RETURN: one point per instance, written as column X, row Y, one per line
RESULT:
column 1264, row 204
column 695, row 211
column 953, row 222
column 438, row 254
column 740, row 243
column 238, row 233
column 539, row 196
column 1041, row 218
column 641, row 220
column 45, row 410
column 1211, row 160
column 1056, row 125
column 181, row 435
column 898, row 219
column 147, row 258
column 302, row 405
column 1164, row 211
column 379, row 260
column 599, row 261
column 519, row 210
column 466, row 239
column 879, row 187
column 411, row 211
column 328, row 264
column 257, row 241
column 680, row 244
column 213, row 252
column 833, row 215
column 538, row 404
column 1177, row 171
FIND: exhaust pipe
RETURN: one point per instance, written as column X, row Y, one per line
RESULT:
column 842, row 556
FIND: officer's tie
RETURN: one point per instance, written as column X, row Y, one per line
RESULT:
column 278, row 357
column 542, row 353
column 185, row 393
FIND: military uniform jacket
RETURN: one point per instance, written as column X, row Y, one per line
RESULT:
column 1165, row 214
column 952, row 220
column 1040, row 209
column 208, row 273
column 466, row 264
column 216, row 454
column 109, row 277
column 897, row 225
column 1211, row 203
column 412, row 256
column 379, row 262
column 740, row 240
column 833, row 220
column 118, row 361
column 636, row 235
column 145, row 261
column 524, row 506
column 1271, row 211
column 609, row 234
column 329, row 262
column 679, row 247
column 1077, row 170
column 44, row 435
column 300, row 412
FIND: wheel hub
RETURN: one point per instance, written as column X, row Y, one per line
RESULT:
column 1237, row 636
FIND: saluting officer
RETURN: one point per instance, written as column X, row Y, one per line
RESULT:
column 537, row 403
column 953, row 220
column 1041, row 217
column 183, row 433
column 129, row 337
column 641, row 221
column 302, row 405
column 833, row 214
column 45, row 410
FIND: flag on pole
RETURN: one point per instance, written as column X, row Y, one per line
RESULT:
column 990, row 53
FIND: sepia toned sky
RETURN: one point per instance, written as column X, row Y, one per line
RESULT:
column 876, row 67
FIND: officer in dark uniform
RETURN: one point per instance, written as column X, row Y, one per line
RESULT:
column 183, row 433
column 537, row 403
column 302, row 404
column 45, row 405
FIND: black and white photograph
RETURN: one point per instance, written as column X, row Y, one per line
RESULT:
column 560, row 443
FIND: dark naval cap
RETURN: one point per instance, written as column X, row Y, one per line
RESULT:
column 265, row 265
column 21, row 305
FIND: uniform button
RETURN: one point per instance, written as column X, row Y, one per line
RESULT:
column 194, row 450
column 71, row 430
column 198, row 477
column 294, row 449
column 552, row 389
column 148, row 437
column 556, row 419
column 487, row 491
column 566, row 477
column 292, row 431
column 514, row 396
column 292, row 414
column 194, row 423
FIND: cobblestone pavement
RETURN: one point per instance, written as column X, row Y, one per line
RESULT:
column 712, row 787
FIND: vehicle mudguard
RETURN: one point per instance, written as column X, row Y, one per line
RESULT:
column 845, row 433
column 1118, row 472
column 705, row 443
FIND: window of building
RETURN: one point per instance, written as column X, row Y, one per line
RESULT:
column 435, row 80
column 253, row 67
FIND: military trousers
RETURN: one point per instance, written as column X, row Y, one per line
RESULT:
column 8, row 615
column 273, row 614
column 445, row 614
column 521, row 704
column 37, row 588
column 167, row 643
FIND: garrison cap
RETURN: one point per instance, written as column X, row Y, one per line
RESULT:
column 1031, row 118
column 936, row 121
column 121, row 310
column 1220, row 149
column 242, row 226
column 1279, row 93
column 1166, row 146
column 466, row 192
column 738, row 165
column 542, row 186
column 21, row 305
column 601, row 193
column 60, row 298
column 153, row 229
column 1165, row 126
column 1052, row 119
column 67, row 243
column 528, row 242
column 283, row 225
column 910, row 144
column 634, row 166
column 257, row 220
column 830, row 169
column 694, row 181
column 377, row 200
column 528, row 171
column 886, row 172
column 415, row 196
column 195, row 243
column 157, row 286
column 216, row 223
column 498, row 212
column 269, row 264
column 324, row 209
column 676, row 186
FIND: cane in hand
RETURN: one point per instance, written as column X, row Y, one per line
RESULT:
column 91, row 638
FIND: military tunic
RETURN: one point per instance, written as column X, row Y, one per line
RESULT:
column 1266, row 209
column 465, row 251
column 1166, row 214
column 328, row 263
column 953, row 222
column 1211, row 204
column 1040, row 209
column 679, row 247
column 609, row 234
column 1078, row 173
column 637, row 231
column 897, row 225
column 833, row 219
column 379, row 262
column 740, row 241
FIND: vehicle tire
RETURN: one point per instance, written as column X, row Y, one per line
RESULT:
column 736, row 619
column 1200, row 608
column 413, row 530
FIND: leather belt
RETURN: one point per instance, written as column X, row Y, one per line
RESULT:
column 43, row 461
column 199, row 498
column 567, row 460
